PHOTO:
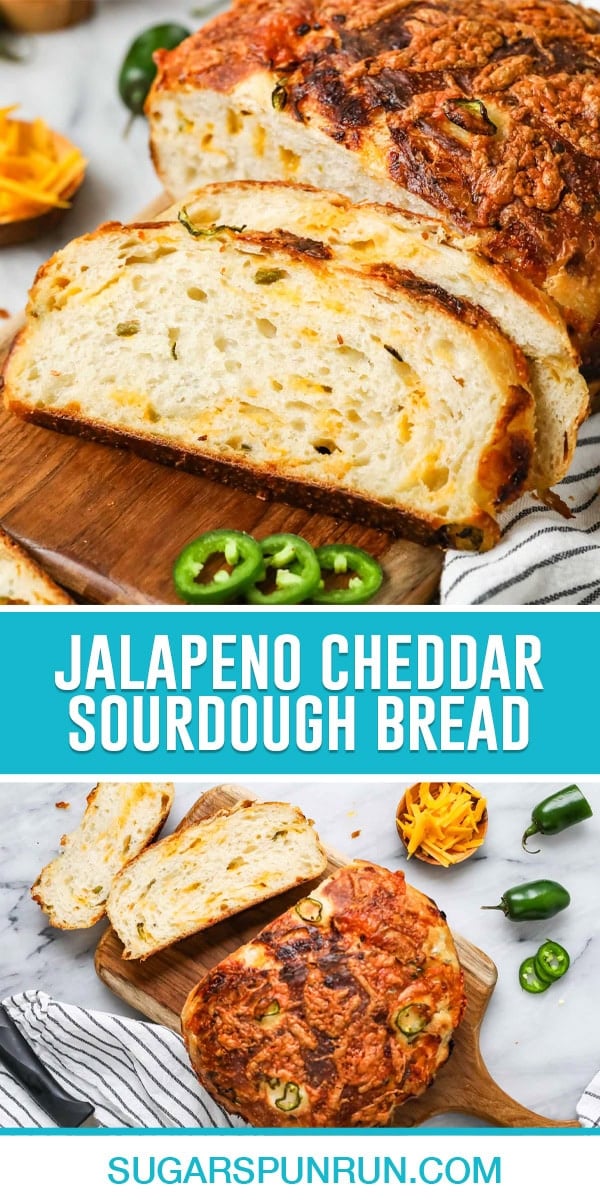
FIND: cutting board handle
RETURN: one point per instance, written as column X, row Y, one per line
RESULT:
column 492, row 1104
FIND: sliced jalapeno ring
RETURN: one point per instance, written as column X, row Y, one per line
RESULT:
column 217, row 567
column 529, row 979
column 412, row 1020
column 291, row 571
column 351, row 576
column 552, row 962
column 290, row 1098
column 272, row 1009
column 309, row 910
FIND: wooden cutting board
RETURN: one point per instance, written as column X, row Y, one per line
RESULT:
column 108, row 525
column 158, row 988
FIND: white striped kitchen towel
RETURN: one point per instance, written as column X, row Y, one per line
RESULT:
column 588, row 1109
column 542, row 557
column 136, row 1075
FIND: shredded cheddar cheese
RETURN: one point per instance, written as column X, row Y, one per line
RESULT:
column 38, row 169
column 442, row 821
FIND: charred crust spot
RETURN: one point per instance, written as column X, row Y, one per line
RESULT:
column 509, row 456
column 424, row 289
column 289, row 243
column 521, row 454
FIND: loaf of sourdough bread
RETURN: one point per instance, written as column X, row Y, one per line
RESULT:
column 120, row 820
column 339, row 1011
column 272, row 360
column 368, row 234
column 485, row 111
column 22, row 581
column 209, row 870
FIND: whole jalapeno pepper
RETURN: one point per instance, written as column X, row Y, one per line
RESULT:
column 139, row 69
column 557, row 812
column 535, row 901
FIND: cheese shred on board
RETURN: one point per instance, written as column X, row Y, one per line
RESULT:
column 442, row 821
column 38, row 169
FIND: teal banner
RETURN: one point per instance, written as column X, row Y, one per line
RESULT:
column 369, row 691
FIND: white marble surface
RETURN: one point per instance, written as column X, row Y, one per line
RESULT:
column 70, row 79
column 542, row 1049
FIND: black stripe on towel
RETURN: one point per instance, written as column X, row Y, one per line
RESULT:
column 72, row 1084
column 546, row 562
column 481, row 566
column 17, row 1103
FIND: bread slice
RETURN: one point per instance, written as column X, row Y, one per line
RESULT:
column 368, row 233
column 271, row 361
column 22, row 581
column 210, row 870
column 119, row 821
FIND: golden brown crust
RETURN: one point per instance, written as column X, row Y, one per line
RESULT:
column 481, row 533
column 388, row 80
column 51, row 589
column 508, row 457
column 343, row 981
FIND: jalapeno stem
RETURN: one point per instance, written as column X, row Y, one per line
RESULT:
column 533, row 828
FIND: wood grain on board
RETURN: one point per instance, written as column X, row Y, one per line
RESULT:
column 158, row 988
column 108, row 525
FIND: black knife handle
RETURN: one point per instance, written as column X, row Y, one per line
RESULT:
column 24, row 1065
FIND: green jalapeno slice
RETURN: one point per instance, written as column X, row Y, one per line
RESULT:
column 529, row 979
column 351, row 575
column 290, row 1098
column 290, row 574
column 412, row 1020
column 236, row 557
column 534, row 901
column 139, row 69
column 309, row 910
column 552, row 962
